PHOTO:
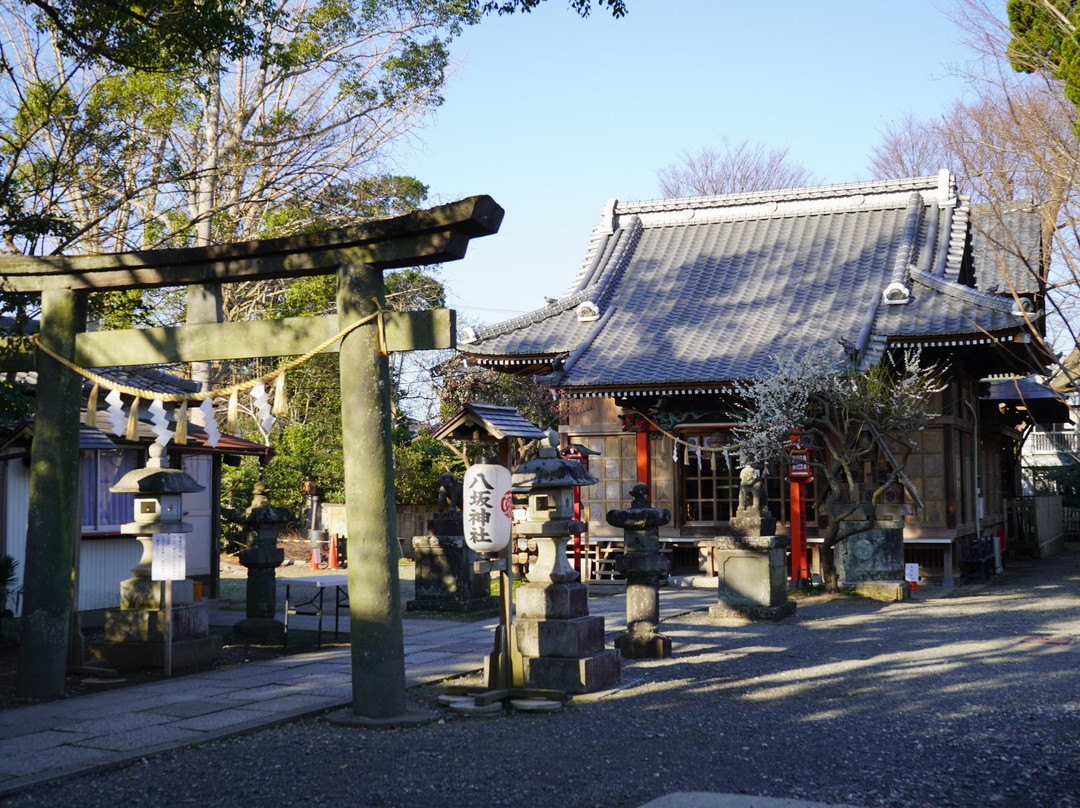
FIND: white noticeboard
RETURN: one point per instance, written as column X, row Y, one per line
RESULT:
column 169, row 562
column 911, row 572
column 487, row 507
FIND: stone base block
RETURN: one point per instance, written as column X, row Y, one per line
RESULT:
column 267, row 629
column 542, row 601
column 752, row 571
column 143, row 593
column 779, row 612
column 879, row 590
column 643, row 646
column 456, row 605
column 587, row 675
column 748, row 523
column 146, row 625
column 187, row 653
column 579, row 637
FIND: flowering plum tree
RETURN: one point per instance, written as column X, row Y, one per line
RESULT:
column 847, row 417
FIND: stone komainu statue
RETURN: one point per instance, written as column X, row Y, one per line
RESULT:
column 450, row 493
column 749, row 490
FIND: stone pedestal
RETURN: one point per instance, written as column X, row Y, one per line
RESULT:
column 753, row 578
column 444, row 579
column 561, row 644
column 642, row 565
column 261, row 594
column 134, row 633
column 872, row 562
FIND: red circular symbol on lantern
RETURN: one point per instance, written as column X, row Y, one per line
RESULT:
column 507, row 504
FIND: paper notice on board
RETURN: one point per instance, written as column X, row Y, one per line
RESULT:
column 169, row 562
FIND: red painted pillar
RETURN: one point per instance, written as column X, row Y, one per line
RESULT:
column 644, row 464
column 798, row 475
column 798, row 531
column 571, row 453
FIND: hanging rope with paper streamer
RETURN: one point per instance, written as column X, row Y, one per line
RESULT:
column 126, row 424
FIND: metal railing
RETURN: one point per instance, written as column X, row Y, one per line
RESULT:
column 1053, row 442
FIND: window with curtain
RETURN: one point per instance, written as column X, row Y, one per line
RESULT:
column 102, row 510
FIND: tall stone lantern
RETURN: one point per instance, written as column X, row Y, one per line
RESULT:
column 561, row 645
column 642, row 565
column 261, row 557
column 134, row 633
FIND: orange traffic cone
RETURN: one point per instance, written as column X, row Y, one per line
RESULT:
column 332, row 565
column 316, row 559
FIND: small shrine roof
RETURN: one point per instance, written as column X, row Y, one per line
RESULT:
column 494, row 421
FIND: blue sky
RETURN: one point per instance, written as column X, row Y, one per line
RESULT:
column 553, row 115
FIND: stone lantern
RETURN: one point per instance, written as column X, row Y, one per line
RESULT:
column 261, row 557
column 134, row 633
column 642, row 565
column 561, row 645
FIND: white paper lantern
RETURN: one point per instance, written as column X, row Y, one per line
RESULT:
column 487, row 507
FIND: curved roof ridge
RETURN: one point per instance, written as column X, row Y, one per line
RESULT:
column 987, row 300
column 958, row 236
column 620, row 258
column 537, row 315
column 781, row 195
column 909, row 242
column 599, row 292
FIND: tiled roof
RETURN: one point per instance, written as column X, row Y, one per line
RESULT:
column 707, row 290
column 498, row 422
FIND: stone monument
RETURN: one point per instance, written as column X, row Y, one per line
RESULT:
column 642, row 565
column 751, row 562
column 872, row 562
column 445, row 579
column 261, row 557
column 561, row 644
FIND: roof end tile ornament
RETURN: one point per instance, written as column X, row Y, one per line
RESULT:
column 899, row 289
column 607, row 218
column 587, row 312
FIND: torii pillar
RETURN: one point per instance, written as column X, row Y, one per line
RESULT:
column 376, row 634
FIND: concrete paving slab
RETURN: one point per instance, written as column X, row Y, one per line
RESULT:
column 57, row 760
column 298, row 703
column 36, row 741
column 188, row 709
column 236, row 719
column 120, row 722
column 142, row 739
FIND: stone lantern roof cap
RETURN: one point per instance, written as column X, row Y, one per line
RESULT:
column 261, row 512
column 156, row 478
column 550, row 472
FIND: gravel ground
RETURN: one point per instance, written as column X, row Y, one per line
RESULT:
column 942, row 702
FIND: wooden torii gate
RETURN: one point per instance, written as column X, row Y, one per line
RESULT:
column 358, row 255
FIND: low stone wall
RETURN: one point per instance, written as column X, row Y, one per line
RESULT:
column 412, row 520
